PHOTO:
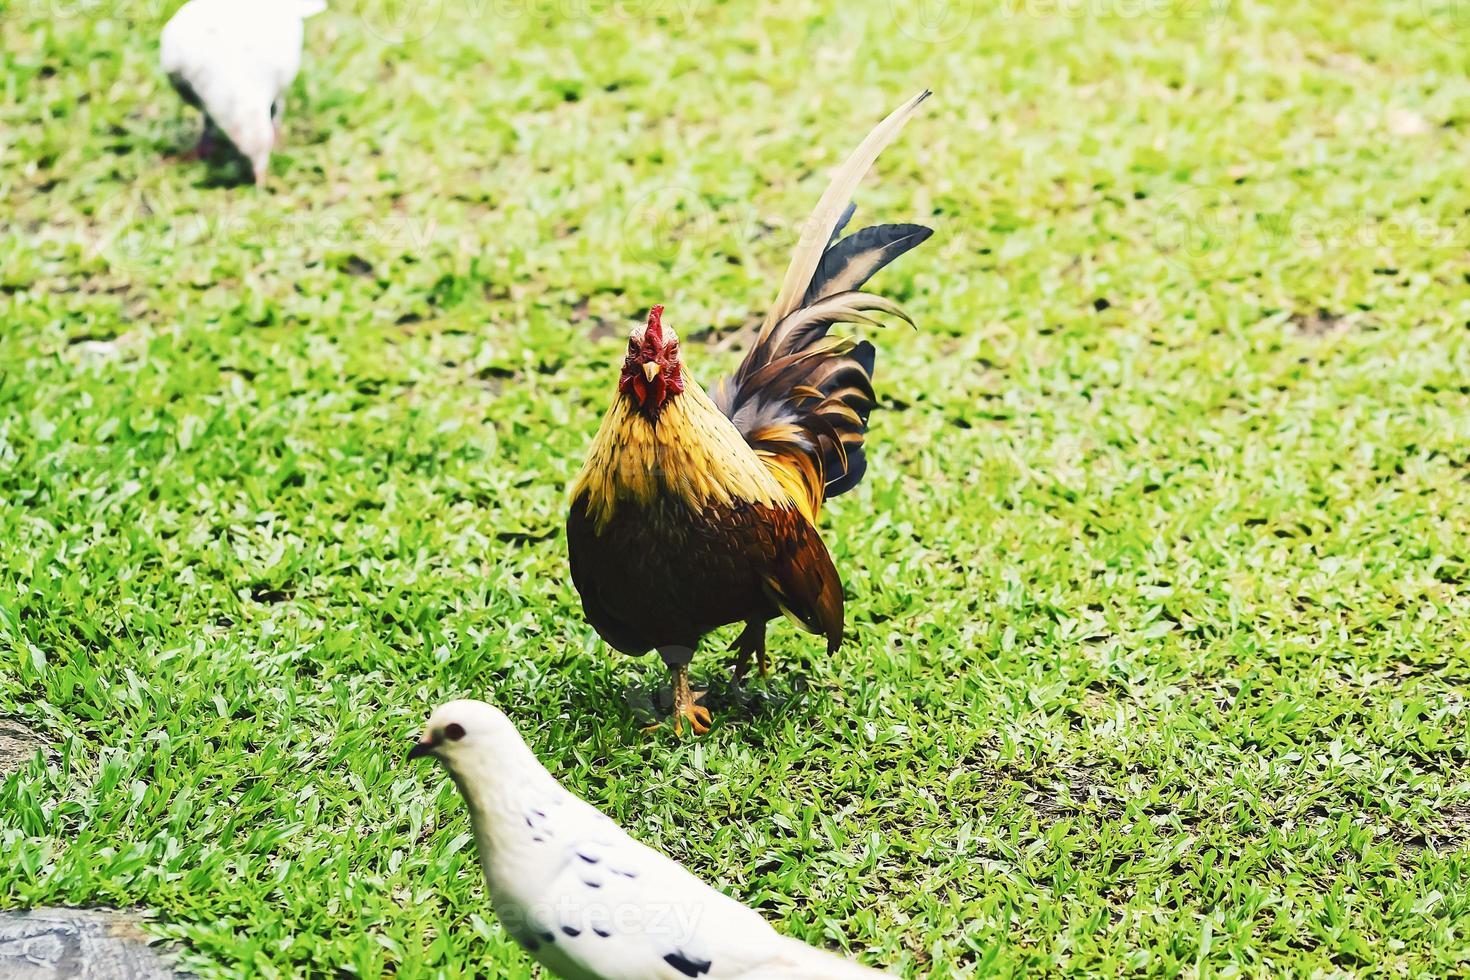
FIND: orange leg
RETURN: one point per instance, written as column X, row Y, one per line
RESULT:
column 686, row 704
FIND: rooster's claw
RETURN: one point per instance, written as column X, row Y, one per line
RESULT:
column 698, row 716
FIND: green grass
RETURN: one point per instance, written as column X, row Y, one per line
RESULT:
column 1158, row 587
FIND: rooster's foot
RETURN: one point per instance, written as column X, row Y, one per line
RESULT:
column 742, row 665
column 692, row 711
column 687, row 706
column 752, row 640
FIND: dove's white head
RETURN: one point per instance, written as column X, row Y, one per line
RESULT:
column 467, row 735
column 489, row 762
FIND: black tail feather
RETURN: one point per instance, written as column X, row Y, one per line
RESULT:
column 801, row 396
column 849, row 263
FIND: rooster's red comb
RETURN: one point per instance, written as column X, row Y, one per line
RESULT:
column 655, row 331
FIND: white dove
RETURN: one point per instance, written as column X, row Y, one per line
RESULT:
column 585, row 899
column 234, row 60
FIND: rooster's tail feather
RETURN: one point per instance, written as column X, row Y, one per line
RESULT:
column 832, row 211
column 801, row 397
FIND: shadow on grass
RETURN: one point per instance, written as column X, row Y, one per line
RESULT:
column 755, row 700
column 178, row 141
column 226, row 168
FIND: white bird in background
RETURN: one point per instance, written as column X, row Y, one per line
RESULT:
column 234, row 60
column 585, row 899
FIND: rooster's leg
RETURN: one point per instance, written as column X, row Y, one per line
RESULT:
column 686, row 700
column 752, row 640
column 687, row 706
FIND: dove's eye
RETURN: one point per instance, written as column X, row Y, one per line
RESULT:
column 454, row 731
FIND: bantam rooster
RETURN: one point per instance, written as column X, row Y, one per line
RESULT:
column 695, row 511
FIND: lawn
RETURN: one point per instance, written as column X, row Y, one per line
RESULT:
column 1158, row 587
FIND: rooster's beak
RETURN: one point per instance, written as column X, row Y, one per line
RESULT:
column 650, row 370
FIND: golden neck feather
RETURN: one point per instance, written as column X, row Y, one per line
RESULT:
column 693, row 453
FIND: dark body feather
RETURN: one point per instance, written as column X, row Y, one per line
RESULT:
column 185, row 90
column 662, row 576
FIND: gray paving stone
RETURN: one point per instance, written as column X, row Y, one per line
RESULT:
column 77, row 944
column 18, row 744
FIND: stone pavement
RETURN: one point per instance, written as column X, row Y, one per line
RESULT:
column 77, row 944
column 69, row 944
column 17, row 745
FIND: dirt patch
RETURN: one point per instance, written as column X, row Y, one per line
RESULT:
column 1449, row 832
column 91, row 944
column 1406, row 122
column 1069, row 791
column 18, row 745
column 598, row 328
column 1318, row 324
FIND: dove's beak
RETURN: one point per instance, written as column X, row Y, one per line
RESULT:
column 420, row 749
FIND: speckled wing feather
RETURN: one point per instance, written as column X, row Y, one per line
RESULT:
column 611, row 908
